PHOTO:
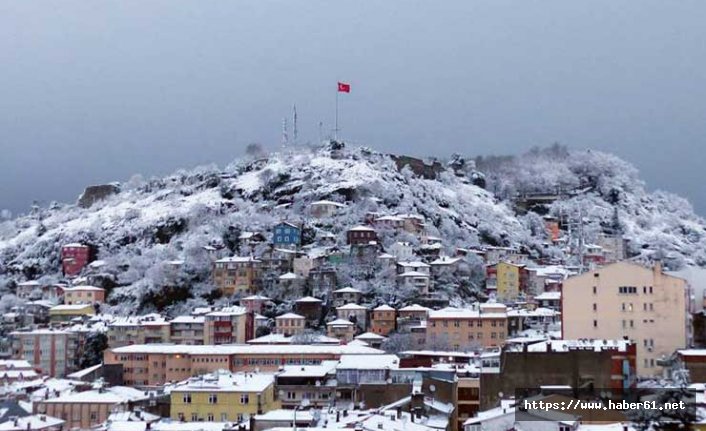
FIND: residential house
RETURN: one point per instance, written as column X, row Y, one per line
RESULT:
column 415, row 281
column 346, row 295
column 414, row 312
column 324, row 208
column 361, row 235
column 551, row 300
column 84, row 295
column 341, row 329
column 371, row 339
column 403, row 251
column 286, row 234
column 254, row 303
column 314, row 383
column 445, row 265
column 309, row 307
column 355, row 313
column 355, row 372
column 383, row 320
column 14, row 370
column 289, row 324
column 322, row 280
column 291, row 283
column 33, row 290
column 416, row 266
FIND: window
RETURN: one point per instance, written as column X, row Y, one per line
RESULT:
column 479, row 335
column 186, row 398
column 213, row 399
column 595, row 307
column 194, row 417
column 239, row 417
column 244, row 399
column 632, row 323
column 595, row 323
column 224, row 417
column 595, row 290
column 457, row 323
column 209, row 417
column 650, row 290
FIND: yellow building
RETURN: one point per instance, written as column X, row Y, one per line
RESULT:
column 64, row 313
column 628, row 300
column 223, row 396
column 509, row 281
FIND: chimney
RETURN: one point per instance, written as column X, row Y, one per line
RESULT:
column 399, row 412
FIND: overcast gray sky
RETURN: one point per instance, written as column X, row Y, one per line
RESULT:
column 97, row 91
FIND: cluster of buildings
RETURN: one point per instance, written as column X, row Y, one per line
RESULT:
column 323, row 355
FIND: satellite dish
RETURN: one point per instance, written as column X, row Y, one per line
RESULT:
column 432, row 388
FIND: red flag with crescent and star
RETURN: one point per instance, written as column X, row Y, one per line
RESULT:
column 344, row 88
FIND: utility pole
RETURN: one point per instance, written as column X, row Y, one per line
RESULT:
column 295, row 131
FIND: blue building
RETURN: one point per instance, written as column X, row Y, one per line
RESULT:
column 287, row 234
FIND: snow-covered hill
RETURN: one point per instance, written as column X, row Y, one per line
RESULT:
column 152, row 222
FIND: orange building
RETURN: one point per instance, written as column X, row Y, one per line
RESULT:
column 156, row 364
column 383, row 320
column 485, row 326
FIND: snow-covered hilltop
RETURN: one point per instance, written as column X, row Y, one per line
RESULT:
column 148, row 227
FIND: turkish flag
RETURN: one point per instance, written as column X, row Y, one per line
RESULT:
column 344, row 88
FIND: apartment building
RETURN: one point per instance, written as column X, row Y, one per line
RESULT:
column 483, row 326
column 237, row 275
column 53, row 352
column 228, row 326
column 223, row 396
column 625, row 300
column 187, row 330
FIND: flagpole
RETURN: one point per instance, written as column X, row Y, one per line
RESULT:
column 335, row 131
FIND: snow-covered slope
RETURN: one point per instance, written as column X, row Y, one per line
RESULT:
column 151, row 222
